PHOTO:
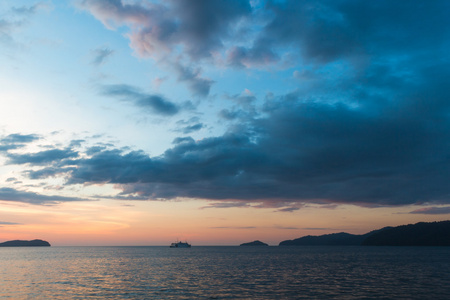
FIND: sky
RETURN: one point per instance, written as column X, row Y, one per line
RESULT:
column 140, row 122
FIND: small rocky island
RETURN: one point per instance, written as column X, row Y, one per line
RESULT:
column 254, row 243
column 19, row 243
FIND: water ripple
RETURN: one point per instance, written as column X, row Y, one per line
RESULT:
column 225, row 273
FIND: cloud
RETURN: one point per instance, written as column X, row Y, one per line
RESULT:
column 303, row 151
column 226, row 205
column 387, row 146
column 230, row 115
column 48, row 172
column 169, row 30
column 189, row 126
column 297, row 151
column 199, row 27
column 432, row 211
column 16, row 140
column 370, row 126
column 9, row 223
column 327, row 31
column 288, row 209
column 257, row 56
column 234, row 227
column 251, row 35
column 42, row 157
column 154, row 103
column 101, row 55
column 9, row 194
column 286, row 228
column 16, row 18
column 198, row 85
column 27, row 11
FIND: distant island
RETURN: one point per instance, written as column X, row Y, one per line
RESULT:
column 333, row 239
column 420, row 234
column 254, row 243
column 18, row 243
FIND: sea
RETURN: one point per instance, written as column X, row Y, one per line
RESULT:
column 225, row 272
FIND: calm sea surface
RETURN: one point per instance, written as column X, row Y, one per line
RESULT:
column 225, row 273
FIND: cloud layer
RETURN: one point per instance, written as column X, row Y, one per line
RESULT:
column 154, row 103
column 383, row 153
column 367, row 121
column 9, row 194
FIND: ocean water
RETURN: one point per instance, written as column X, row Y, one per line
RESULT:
column 225, row 273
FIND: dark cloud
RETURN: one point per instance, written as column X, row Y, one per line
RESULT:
column 256, row 56
column 17, row 138
column 198, row 85
column 189, row 126
column 205, row 24
column 288, row 209
column 231, row 114
column 101, row 55
column 326, row 31
column 386, row 146
column 179, row 140
column 199, row 26
column 15, row 141
column 76, row 143
column 154, row 103
column 9, row 223
column 226, row 205
column 432, row 211
column 301, row 151
column 159, row 30
column 9, row 194
column 95, row 149
column 48, row 172
column 372, row 128
column 42, row 158
column 315, row 31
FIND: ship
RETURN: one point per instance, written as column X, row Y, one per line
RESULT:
column 180, row 245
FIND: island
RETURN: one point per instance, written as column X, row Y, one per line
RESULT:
column 19, row 243
column 254, row 243
column 419, row 234
column 333, row 239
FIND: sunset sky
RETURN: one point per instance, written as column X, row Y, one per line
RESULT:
column 139, row 122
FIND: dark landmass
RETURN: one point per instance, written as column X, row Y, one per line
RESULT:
column 420, row 234
column 254, row 243
column 333, row 239
column 33, row 243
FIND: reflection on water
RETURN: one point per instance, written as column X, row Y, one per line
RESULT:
column 225, row 272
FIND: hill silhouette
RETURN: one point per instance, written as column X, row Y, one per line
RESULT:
column 254, row 243
column 333, row 239
column 419, row 234
column 18, row 243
